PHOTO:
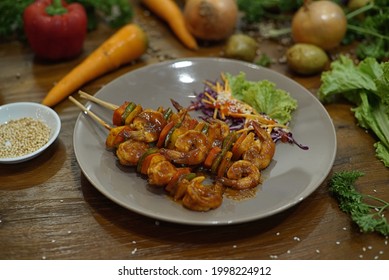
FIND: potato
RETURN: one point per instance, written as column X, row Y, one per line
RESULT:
column 306, row 59
column 242, row 47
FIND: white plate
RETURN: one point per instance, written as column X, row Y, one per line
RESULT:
column 45, row 114
column 293, row 175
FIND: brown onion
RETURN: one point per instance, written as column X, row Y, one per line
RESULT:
column 211, row 20
column 321, row 23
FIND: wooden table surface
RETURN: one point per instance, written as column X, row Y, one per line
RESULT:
column 49, row 210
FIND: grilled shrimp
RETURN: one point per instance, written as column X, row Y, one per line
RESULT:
column 242, row 174
column 130, row 151
column 200, row 197
column 147, row 126
column 217, row 132
column 190, row 148
column 160, row 171
column 262, row 152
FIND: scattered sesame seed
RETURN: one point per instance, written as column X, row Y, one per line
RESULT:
column 296, row 238
column 375, row 191
column 361, row 256
column 381, row 252
column 318, row 251
column 53, row 241
column 344, row 228
column 134, row 251
column 386, row 242
column 277, row 233
column 376, row 257
column 273, row 256
column 133, row 242
column 69, row 231
column 61, row 200
column 43, row 257
column 369, row 247
column 337, row 242
column 288, row 252
column 234, row 246
column 364, row 249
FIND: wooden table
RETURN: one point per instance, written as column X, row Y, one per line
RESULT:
column 49, row 210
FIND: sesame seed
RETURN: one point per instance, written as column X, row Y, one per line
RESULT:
column 53, row 241
column 296, row 238
column 69, row 231
column 344, row 228
column 134, row 251
column 361, row 256
column 234, row 246
column 277, row 233
column 376, row 257
column 318, row 251
column 133, row 242
column 273, row 256
column 337, row 242
column 288, row 252
column 364, row 249
column 22, row 136
column 369, row 247
column 381, row 252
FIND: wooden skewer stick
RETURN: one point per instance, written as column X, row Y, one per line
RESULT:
column 103, row 103
column 90, row 113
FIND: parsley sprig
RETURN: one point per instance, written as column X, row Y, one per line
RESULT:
column 368, row 217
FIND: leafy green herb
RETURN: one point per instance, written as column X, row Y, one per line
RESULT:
column 368, row 217
column 255, row 10
column 115, row 12
column 371, row 31
column 263, row 96
column 264, row 60
column 366, row 85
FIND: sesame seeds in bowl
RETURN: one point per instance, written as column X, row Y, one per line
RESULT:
column 26, row 130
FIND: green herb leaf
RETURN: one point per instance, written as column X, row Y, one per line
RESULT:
column 369, row 218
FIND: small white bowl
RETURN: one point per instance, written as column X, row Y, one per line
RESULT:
column 45, row 114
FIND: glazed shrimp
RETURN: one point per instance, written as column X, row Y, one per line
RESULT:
column 190, row 148
column 199, row 197
column 262, row 152
column 147, row 126
column 160, row 171
column 241, row 175
column 217, row 132
column 130, row 151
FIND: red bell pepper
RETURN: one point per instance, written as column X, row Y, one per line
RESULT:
column 55, row 30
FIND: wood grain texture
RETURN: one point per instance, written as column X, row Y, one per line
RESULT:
column 49, row 210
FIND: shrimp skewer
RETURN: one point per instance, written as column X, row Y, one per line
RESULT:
column 188, row 142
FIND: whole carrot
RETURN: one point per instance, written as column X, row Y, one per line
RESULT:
column 124, row 46
column 170, row 12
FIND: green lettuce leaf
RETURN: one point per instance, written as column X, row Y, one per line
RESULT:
column 264, row 97
column 366, row 85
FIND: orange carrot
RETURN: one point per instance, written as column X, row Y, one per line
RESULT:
column 170, row 12
column 124, row 46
